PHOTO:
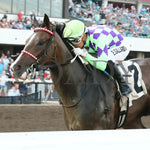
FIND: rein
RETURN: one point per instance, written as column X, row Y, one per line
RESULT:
column 70, row 106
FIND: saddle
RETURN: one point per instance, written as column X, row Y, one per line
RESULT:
column 133, row 76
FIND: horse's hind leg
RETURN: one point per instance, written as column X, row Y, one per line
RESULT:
column 136, row 124
column 140, row 108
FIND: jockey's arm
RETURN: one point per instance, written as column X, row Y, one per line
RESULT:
column 99, row 62
column 101, row 49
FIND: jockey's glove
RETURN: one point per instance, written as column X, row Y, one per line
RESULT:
column 80, row 52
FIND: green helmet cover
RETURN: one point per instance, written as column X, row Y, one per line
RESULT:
column 74, row 29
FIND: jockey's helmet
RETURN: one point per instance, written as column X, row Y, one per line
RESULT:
column 74, row 31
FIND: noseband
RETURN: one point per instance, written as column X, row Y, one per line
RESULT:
column 28, row 53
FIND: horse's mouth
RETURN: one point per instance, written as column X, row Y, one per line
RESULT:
column 23, row 73
column 22, row 76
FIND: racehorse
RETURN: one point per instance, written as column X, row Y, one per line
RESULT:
column 89, row 98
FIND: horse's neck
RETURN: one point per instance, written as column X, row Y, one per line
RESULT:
column 66, row 77
column 68, row 74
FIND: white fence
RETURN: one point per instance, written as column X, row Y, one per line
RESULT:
column 33, row 82
column 77, row 140
column 18, row 37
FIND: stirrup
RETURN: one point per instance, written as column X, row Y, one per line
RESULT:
column 124, row 105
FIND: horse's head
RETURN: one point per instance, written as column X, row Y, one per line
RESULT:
column 39, row 49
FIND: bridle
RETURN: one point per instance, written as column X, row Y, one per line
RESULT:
column 35, row 65
column 37, row 60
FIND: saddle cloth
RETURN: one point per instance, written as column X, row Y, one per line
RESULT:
column 133, row 76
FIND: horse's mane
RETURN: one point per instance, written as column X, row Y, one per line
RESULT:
column 59, row 29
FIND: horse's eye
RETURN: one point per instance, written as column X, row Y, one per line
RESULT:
column 41, row 42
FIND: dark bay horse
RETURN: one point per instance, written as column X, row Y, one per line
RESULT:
column 88, row 98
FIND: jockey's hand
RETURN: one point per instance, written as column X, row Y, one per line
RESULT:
column 80, row 52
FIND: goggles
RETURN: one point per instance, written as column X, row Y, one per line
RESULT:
column 76, row 40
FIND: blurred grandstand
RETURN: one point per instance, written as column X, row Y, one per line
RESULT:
column 131, row 18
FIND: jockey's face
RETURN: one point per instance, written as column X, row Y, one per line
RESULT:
column 81, row 44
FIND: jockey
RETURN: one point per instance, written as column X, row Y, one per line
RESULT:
column 101, row 46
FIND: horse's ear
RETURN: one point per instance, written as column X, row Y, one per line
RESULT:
column 46, row 21
column 35, row 22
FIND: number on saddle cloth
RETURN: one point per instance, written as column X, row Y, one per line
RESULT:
column 133, row 76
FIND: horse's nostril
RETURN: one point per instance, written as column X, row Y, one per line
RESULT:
column 17, row 67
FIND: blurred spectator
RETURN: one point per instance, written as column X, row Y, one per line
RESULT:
column 1, row 66
column 90, row 3
column 4, row 23
column 6, row 62
column 47, row 76
column 71, row 5
column 14, row 92
column 118, row 27
column 15, row 25
column 14, row 56
column 5, row 16
column 20, row 16
column 24, row 88
column 103, row 17
column 8, row 54
column 133, row 9
column 8, row 73
column 143, row 10
column 97, row 17
column 52, row 88
column 32, row 15
column 3, row 81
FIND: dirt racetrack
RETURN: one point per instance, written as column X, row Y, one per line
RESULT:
column 40, row 117
column 31, row 117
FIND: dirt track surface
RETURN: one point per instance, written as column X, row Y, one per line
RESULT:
column 41, row 117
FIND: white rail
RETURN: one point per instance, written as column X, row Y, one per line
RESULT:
column 77, row 140
column 27, row 80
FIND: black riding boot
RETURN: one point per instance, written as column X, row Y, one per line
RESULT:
column 112, row 68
